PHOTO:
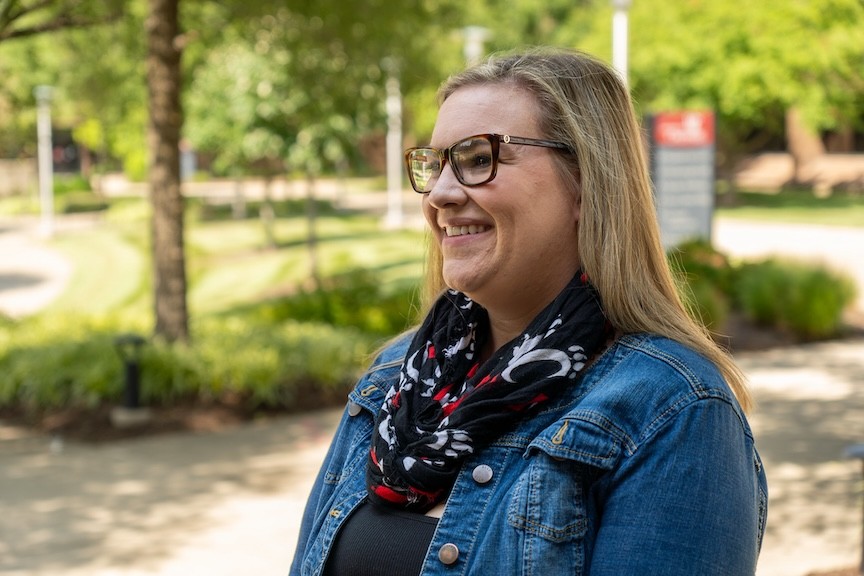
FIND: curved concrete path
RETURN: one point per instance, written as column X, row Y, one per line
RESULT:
column 32, row 274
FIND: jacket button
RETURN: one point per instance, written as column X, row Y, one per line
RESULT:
column 354, row 409
column 448, row 554
column 482, row 474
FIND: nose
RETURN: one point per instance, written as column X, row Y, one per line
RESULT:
column 447, row 190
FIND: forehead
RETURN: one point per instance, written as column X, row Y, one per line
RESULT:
column 486, row 108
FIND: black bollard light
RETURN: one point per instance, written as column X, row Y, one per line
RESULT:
column 129, row 348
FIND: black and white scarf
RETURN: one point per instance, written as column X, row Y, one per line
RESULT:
column 446, row 405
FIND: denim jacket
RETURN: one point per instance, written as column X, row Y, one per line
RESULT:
column 646, row 466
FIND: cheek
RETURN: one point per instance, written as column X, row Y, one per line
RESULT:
column 429, row 213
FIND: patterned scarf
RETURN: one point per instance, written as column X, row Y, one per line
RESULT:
column 446, row 405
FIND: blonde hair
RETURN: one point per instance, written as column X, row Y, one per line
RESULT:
column 583, row 103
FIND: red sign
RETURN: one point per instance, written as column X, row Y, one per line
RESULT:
column 684, row 129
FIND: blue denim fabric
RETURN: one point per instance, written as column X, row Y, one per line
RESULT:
column 646, row 467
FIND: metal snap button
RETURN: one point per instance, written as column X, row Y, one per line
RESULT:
column 448, row 553
column 482, row 474
column 354, row 409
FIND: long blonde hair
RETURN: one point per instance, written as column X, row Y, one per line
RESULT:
column 584, row 103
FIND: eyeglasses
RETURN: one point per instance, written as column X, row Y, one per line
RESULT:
column 474, row 160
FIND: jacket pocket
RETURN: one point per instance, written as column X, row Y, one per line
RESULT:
column 547, row 511
column 548, row 504
column 548, row 501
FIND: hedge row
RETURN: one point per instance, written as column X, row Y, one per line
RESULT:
column 804, row 299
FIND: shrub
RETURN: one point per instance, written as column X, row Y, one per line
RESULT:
column 698, row 260
column 706, row 303
column 807, row 299
column 704, row 276
column 355, row 299
column 56, row 362
column 75, row 202
column 73, row 362
column 66, row 183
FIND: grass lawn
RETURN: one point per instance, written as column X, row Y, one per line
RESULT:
column 228, row 261
column 797, row 206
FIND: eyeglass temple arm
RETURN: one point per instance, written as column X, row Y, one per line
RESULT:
column 533, row 142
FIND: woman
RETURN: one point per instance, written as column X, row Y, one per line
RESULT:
column 557, row 412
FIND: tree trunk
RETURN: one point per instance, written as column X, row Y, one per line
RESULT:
column 803, row 144
column 166, row 119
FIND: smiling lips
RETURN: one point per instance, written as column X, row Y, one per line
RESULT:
column 463, row 230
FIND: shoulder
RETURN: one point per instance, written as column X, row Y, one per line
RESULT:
column 389, row 358
column 671, row 367
column 645, row 382
column 381, row 374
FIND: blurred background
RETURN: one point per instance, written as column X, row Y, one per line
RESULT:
column 204, row 227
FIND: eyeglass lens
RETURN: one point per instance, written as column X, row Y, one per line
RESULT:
column 472, row 161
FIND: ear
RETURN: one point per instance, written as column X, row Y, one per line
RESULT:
column 577, row 207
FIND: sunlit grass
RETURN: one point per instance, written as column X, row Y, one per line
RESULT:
column 108, row 272
column 798, row 206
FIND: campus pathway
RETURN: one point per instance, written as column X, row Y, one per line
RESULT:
column 229, row 502
column 32, row 274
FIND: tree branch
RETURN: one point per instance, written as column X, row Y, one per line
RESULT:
column 65, row 19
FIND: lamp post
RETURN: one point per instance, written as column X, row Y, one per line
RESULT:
column 474, row 37
column 394, row 218
column 43, row 96
column 619, row 37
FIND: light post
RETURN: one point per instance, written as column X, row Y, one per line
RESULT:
column 393, row 105
column 474, row 37
column 43, row 96
column 619, row 37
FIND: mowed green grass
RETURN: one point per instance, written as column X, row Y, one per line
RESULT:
column 798, row 206
column 229, row 262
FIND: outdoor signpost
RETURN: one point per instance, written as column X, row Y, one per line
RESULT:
column 43, row 96
column 682, row 170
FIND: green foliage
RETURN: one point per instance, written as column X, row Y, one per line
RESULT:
column 247, row 346
column 302, row 84
column 82, row 202
column 24, row 18
column 299, row 85
column 66, row 183
column 290, row 208
column 806, row 299
column 705, row 278
column 699, row 259
column 58, row 361
column 355, row 299
column 749, row 63
column 72, row 361
column 262, row 364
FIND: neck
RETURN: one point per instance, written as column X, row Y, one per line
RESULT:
column 505, row 327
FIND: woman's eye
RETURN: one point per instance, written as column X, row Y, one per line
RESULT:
column 479, row 161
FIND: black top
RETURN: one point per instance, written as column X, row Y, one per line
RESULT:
column 378, row 541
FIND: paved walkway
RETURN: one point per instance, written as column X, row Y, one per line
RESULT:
column 32, row 274
column 229, row 503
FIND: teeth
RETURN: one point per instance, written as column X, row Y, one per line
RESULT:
column 462, row 230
